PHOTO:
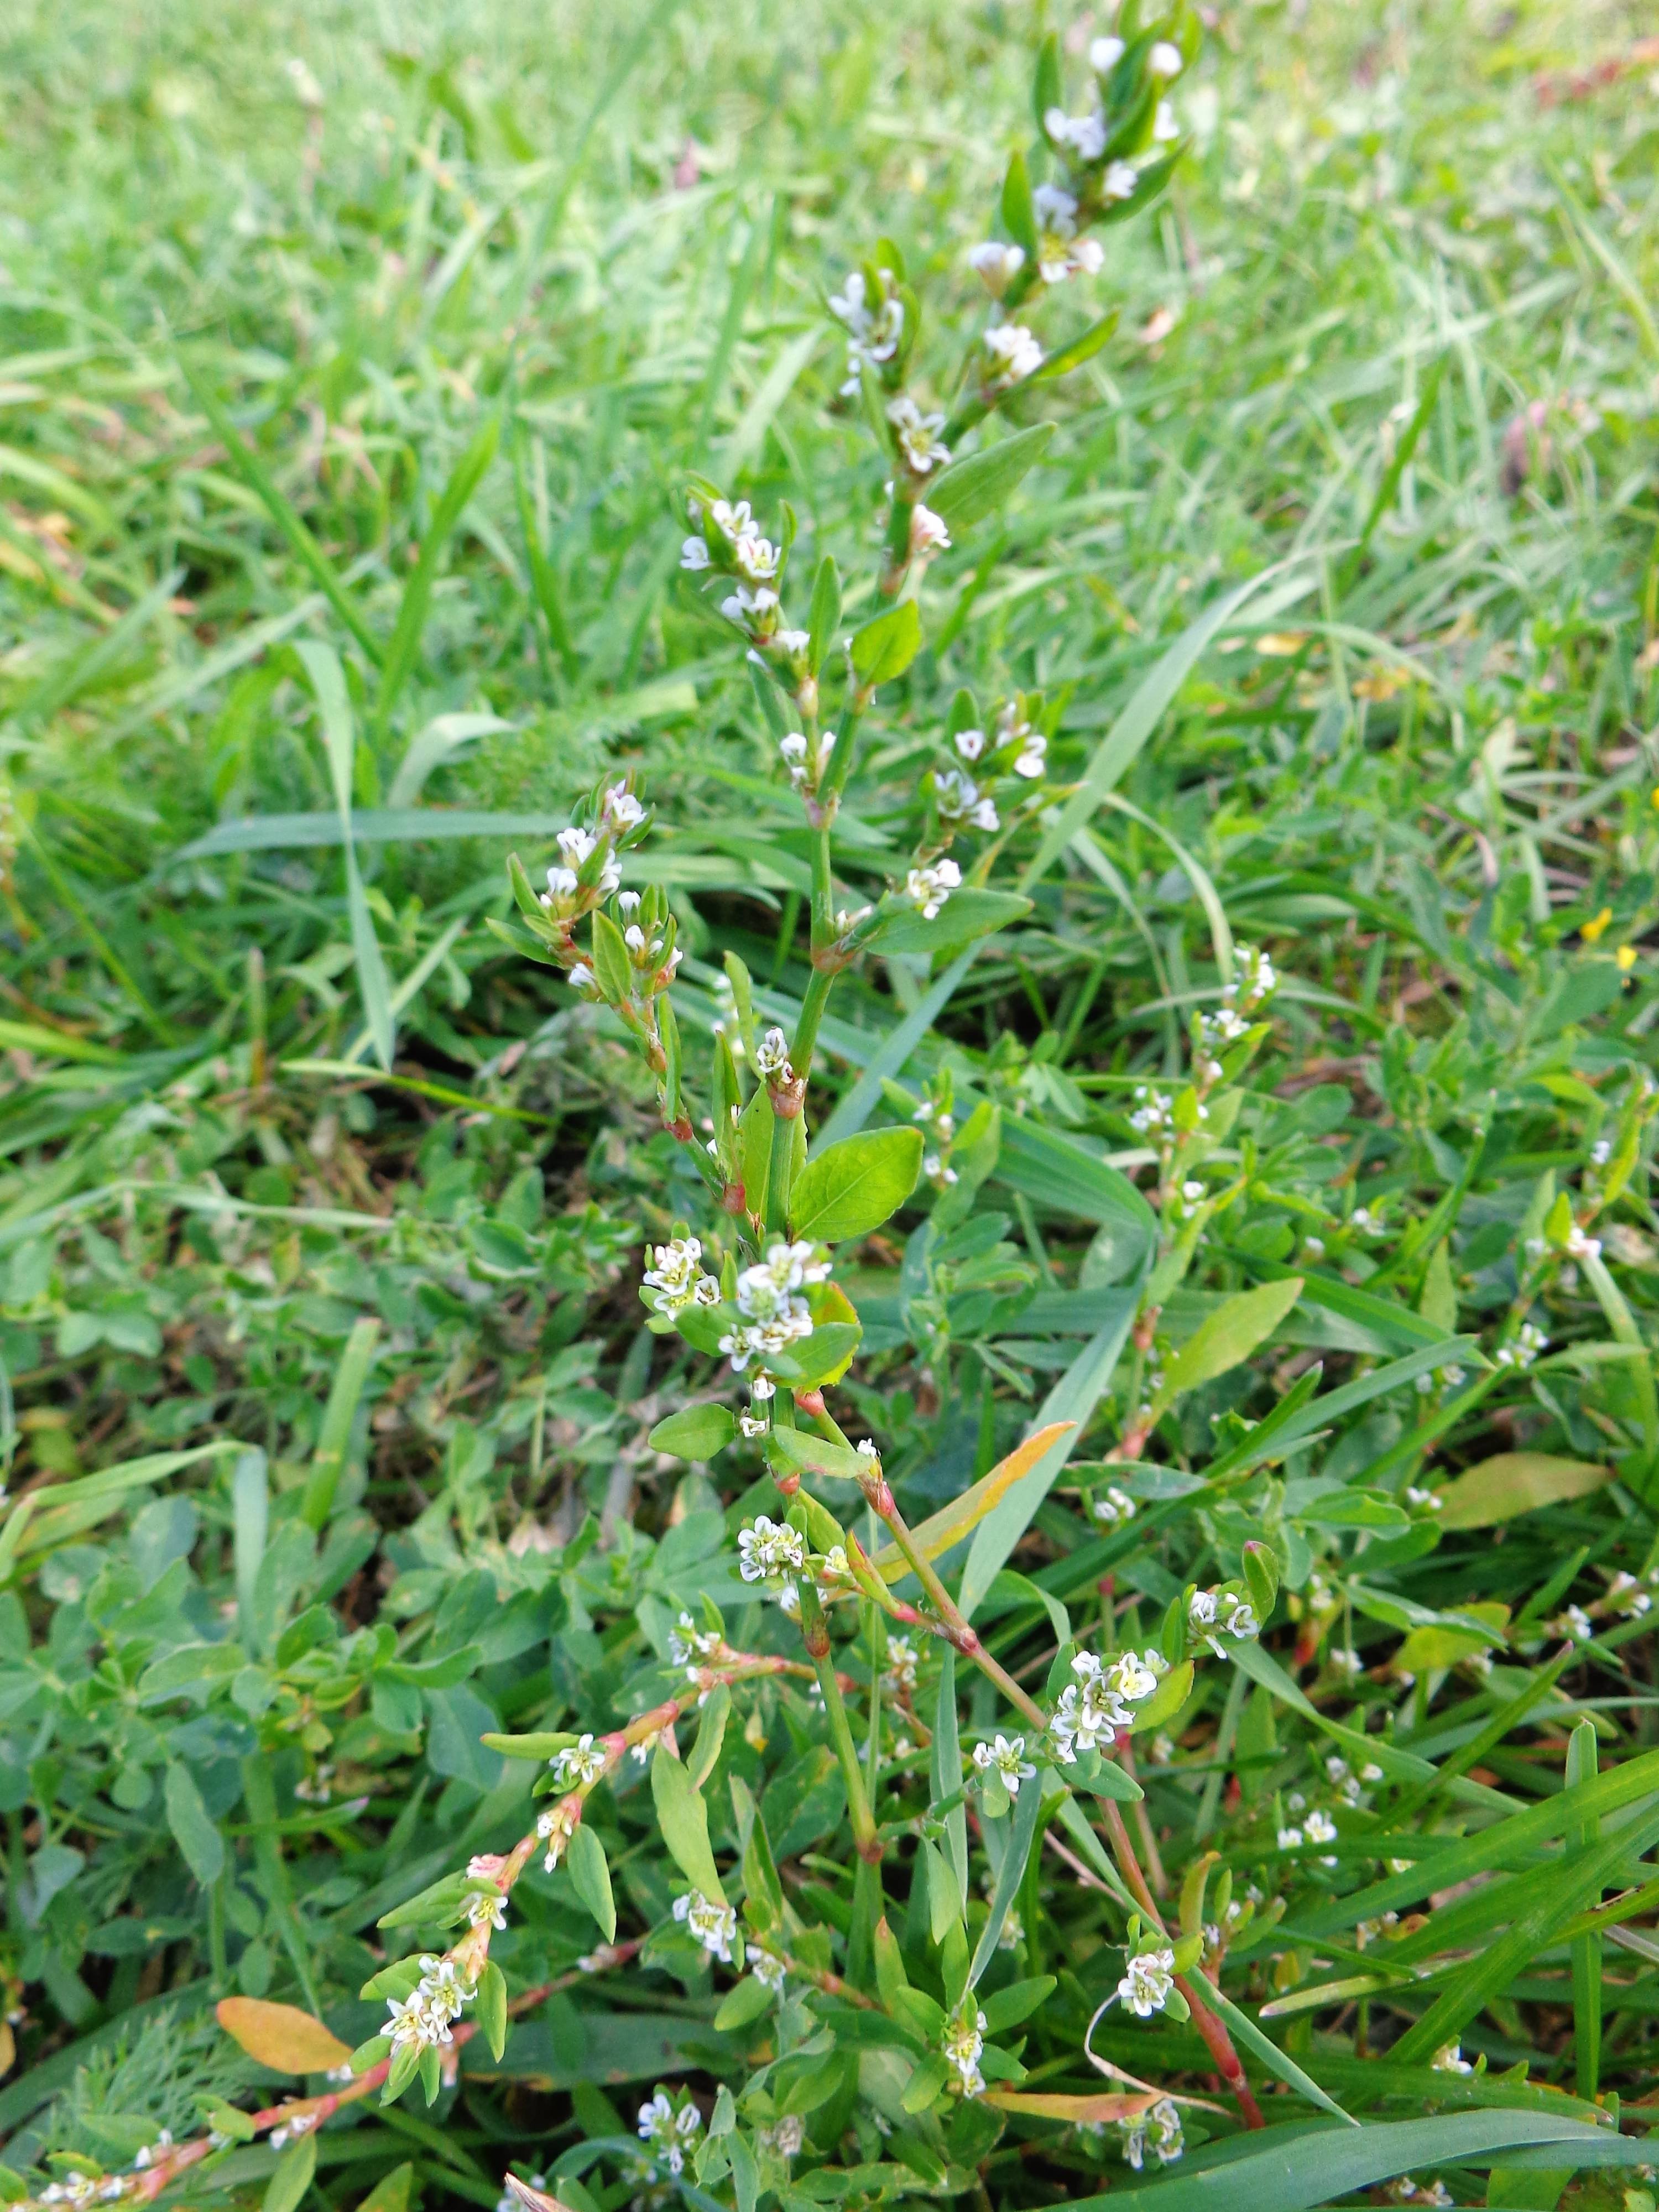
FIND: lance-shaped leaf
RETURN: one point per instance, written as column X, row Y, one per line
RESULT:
column 699, row 1432
column 964, row 916
column 1514, row 1482
column 590, row 1877
column 683, row 1818
column 937, row 1534
column 1230, row 1335
column 972, row 489
column 797, row 1451
column 884, row 649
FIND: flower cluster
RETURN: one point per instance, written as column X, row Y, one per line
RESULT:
column 965, row 2042
column 688, row 1643
column 774, row 1315
column 714, row 1925
column 676, row 1276
column 1113, row 1506
column 724, row 541
column 1098, row 1703
column 669, row 2130
column 1224, row 1612
column 939, row 1128
column 1253, row 981
column 770, row 1550
column 1147, row 1981
column 1529, row 1341
column 1316, row 1827
column 1158, row 2129
column 1013, row 747
column 424, row 2018
column 873, row 318
column 579, row 1765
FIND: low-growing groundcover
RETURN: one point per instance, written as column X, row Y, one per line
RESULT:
column 929, row 1465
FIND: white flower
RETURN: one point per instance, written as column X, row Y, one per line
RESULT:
column 1105, row 54
column 767, row 1971
column 1134, row 1675
column 1364, row 1222
column 900, row 1663
column 793, row 746
column 916, row 435
column 1145, row 1986
column 577, row 845
column 579, row 1765
column 1576, row 1622
column 1119, row 181
column 970, row 743
column 755, row 558
column 873, row 334
column 1033, row 759
column 1449, row 2059
column 1579, row 1246
column 1164, row 62
column 621, row 807
column 997, row 265
column 686, row 1642
column 1289, row 1839
column 483, row 1910
column 769, row 1549
column 1115, row 1507
column 715, row 1926
column 964, row 2039
column 556, row 1827
column 1318, row 1827
column 772, row 1055
column 1085, row 135
column 1006, row 1757
column 960, row 800
column 1238, row 1617
column 1162, row 2123
column 1011, row 353
column 1529, row 1341
column 677, row 1279
column 791, row 643
column 693, row 554
column 1421, row 1500
column 928, row 532
column 1164, row 126
column 752, row 607
column 927, row 889
column 1056, row 208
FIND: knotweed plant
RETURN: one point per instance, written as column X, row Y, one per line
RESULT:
column 862, row 1983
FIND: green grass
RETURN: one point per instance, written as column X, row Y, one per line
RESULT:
column 397, row 332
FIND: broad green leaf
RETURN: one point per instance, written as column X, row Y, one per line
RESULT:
column 1017, row 2001
column 683, row 1819
column 699, row 1433
column 799, row 1451
column 611, row 964
column 280, row 2036
column 847, row 1189
column 1514, row 1482
column 965, row 915
column 192, row 1826
column 823, row 1356
column 1230, row 1335
column 970, row 489
column 884, row 649
column 590, row 1877
column 745, row 2001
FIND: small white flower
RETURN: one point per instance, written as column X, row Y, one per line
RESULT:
column 1011, row 353
column 1318, row 1827
column 715, row 1926
column 1120, row 180
column 793, row 746
column 1164, row 62
column 1006, row 1758
column 970, row 743
column 1056, row 208
column 483, row 1910
column 964, row 2040
column 579, row 1765
column 767, row 1971
column 1576, row 1623
column 622, row 808
column 556, row 1827
column 1105, row 54
column 1449, row 2059
column 693, row 554
column 917, row 436
column 772, row 1054
column 1581, row 1246
column 1115, row 1507
column 927, row 889
column 1289, row 1839
column 769, row 1549
column 928, row 532
column 1145, row 1986
column 1164, row 126
column 996, row 265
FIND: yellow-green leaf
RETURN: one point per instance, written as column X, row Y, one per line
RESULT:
column 1514, row 1482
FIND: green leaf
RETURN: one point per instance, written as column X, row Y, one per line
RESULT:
column 965, row 916
column 1022, row 1833
column 970, row 489
column 683, row 1818
column 192, row 1826
column 711, row 1733
column 1438, row 1303
column 1514, row 1482
column 492, row 2002
column 799, row 1451
column 1083, row 347
column 590, row 1877
column 699, row 1433
column 1017, row 2001
column 823, row 617
column 464, row 481
column 1018, row 209
column 850, row 1188
column 926, row 2085
column 884, row 649
column 295, row 2171
column 611, row 964
column 823, row 1356
column 322, row 666
column 1230, row 1335
column 1166, row 1701
column 743, row 2003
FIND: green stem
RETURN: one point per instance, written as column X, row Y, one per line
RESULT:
column 815, row 1632
column 814, row 1000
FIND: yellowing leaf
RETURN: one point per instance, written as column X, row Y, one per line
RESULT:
column 1230, row 1335
column 942, row 1529
column 1512, row 1483
column 1102, row 2108
column 280, row 2036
